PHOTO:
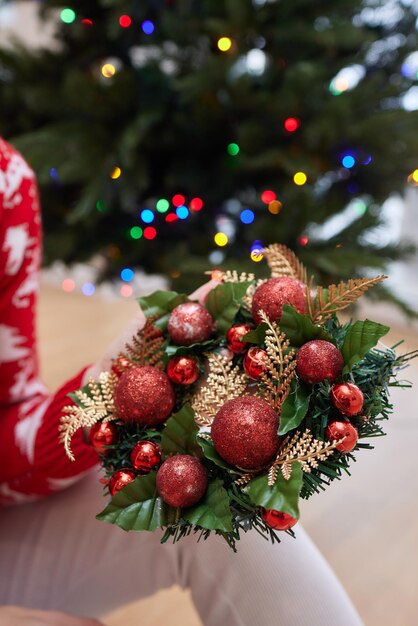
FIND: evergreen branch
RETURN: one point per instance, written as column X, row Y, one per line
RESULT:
column 338, row 297
column 145, row 348
column 283, row 262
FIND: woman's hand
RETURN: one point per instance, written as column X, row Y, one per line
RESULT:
column 16, row 616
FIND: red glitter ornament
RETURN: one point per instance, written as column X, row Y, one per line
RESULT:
column 318, row 360
column 121, row 364
column 254, row 362
column 342, row 430
column 274, row 293
column 119, row 479
column 244, row 432
column 144, row 395
column 182, row 480
column 278, row 520
column 183, row 370
column 145, row 456
column 234, row 337
column 102, row 434
column 347, row 398
column 189, row 323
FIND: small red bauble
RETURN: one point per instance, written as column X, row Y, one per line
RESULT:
column 120, row 479
column 102, row 434
column 274, row 293
column 347, row 398
column 144, row 395
column 189, row 323
column 183, row 370
column 244, row 432
column 145, row 456
column 278, row 520
column 255, row 362
column 342, row 430
column 182, row 480
column 120, row 365
column 234, row 337
column 319, row 360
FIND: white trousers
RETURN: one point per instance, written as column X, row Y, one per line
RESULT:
column 55, row 555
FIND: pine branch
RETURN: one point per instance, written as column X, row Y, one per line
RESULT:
column 93, row 403
column 224, row 382
column 279, row 366
column 145, row 348
column 283, row 262
column 338, row 297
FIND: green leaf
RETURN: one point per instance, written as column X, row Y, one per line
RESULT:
column 224, row 301
column 179, row 434
column 213, row 512
column 193, row 348
column 256, row 336
column 160, row 304
column 282, row 496
column 299, row 328
column 211, row 454
column 359, row 339
column 137, row 506
column 294, row 408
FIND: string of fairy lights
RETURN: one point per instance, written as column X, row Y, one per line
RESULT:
column 177, row 208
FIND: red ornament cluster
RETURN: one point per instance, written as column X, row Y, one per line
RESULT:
column 342, row 430
column 183, row 370
column 234, row 338
column 120, row 479
column 278, row 520
column 145, row 456
column 347, row 398
column 254, row 362
column 103, row 434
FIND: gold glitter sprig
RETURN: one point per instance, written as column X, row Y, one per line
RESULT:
column 224, row 382
column 233, row 277
column 302, row 448
column 93, row 405
column 284, row 262
column 145, row 348
column 337, row 297
column 279, row 366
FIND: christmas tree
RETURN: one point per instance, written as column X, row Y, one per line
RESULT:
column 176, row 135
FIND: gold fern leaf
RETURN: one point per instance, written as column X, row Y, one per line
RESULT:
column 280, row 365
column 92, row 405
column 338, row 297
column 145, row 348
column 224, row 382
column 283, row 262
column 233, row 277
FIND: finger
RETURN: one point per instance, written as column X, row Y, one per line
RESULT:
column 202, row 292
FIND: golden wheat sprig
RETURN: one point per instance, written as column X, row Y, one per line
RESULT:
column 283, row 262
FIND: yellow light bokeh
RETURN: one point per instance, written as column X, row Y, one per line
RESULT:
column 224, row 44
column 108, row 70
column 220, row 239
column 300, row 178
column 275, row 207
column 414, row 176
column 116, row 173
column 256, row 256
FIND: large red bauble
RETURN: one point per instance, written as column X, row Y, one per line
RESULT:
column 244, row 432
column 120, row 479
column 145, row 456
column 183, row 370
column 347, row 398
column 144, row 395
column 189, row 323
column 274, row 293
column 278, row 520
column 182, row 480
column 255, row 362
column 318, row 360
column 102, row 434
column 234, row 338
column 342, row 430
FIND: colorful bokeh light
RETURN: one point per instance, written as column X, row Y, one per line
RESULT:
column 136, row 232
column 224, row 44
column 178, row 199
column 150, row 233
column 220, row 239
column 162, row 205
column 108, row 70
column 182, row 212
column 232, row 149
column 68, row 285
column 268, row 196
column 115, row 173
column 67, row 15
column 147, row 27
column 147, row 216
column 291, row 124
column 300, row 178
column 275, row 207
column 126, row 291
column 88, row 289
column 348, row 161
column 247, row 216
column 125, row 21
column 127, row 274
column 196, row 204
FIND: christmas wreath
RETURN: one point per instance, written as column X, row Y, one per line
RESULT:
column 219, row 417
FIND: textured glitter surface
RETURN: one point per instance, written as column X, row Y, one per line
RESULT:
column 339, row 430
column 254, row 362
column 120, row 479
column 182, row 480
column 102, row 434
column 278, row 520
column 347, row 398
column 145, row 456
column 183, row 370
column 244, row 432
column 144, row 395
column 189, row 323
column 274, row 293
column 319, row 360
column 234, row 337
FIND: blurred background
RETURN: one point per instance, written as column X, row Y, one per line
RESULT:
column 171, row 137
